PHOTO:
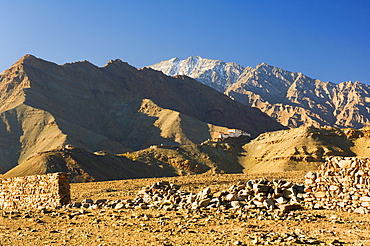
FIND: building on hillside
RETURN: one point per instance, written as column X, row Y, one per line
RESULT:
column 231, row 133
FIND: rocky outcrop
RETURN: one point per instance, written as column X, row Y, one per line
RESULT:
column 291, row 98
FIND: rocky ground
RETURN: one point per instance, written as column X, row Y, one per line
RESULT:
column 100, row 221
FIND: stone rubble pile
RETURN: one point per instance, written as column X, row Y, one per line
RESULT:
column 259, row 194
column 38, row 191
column 341, row 183
column 252, row 194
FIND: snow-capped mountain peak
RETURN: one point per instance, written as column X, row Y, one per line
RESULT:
column 214, row 73
column 291, row 98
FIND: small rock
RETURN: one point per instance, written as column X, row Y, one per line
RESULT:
column 269, row 203
column 119, row 205
column 320, row 194
column 99, row 201
column 360, row 210
column 231, row 197
column 335, row 242
column 281, row 200
column 204, row 193
column 88, row 201
column 204, row 202
column 235, row 204
column 365, row 199
column 289, row 207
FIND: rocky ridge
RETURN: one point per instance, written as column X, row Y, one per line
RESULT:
column 214, row 73
column 115, row 108
column 292, row 98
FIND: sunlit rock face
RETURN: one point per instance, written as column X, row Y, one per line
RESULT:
column 291, row 98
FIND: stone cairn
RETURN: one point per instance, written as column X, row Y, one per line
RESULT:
column 341, row 183
column 38, row 191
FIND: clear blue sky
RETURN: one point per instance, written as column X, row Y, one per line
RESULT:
column 324, row 39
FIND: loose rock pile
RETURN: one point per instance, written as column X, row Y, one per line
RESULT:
column 252, row 194
column 341, row 183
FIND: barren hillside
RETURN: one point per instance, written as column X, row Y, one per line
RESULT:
column 115, row 108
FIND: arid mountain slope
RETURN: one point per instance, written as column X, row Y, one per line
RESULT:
column 115, row 108
column 210, row 157
column 84, row 166
column 303, row 148
column 291, row 98
column 295, row 99
column 297, row 149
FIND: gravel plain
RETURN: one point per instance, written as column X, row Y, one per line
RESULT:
column 140, row 226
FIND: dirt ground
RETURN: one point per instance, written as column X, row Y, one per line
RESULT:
column 108, row 226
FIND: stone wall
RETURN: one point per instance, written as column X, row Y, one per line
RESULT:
column 341, row 183
column 38, row 191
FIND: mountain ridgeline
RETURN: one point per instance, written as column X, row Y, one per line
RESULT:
column 115, row 108
column 291, row 98
column 119, row 122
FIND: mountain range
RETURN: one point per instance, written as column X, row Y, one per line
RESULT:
column 292, row 98
column 114, row 109
column 118, row 122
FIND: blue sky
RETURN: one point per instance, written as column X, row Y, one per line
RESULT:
column 326, row 40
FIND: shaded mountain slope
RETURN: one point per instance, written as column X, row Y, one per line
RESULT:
column 115, row 108
column 24, row 131
column 84, row 166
